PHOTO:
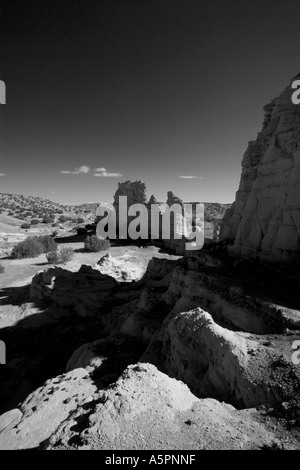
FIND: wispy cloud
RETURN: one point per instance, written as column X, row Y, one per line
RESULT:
column 2, row 174
column 103, row 173
column 84, row 169
column 189, row 177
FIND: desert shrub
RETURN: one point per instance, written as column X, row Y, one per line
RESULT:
column 62, row 218
column 25, row 226
column 80, row 220
column 1, row 269
column 34, row 246
column 60, row 256
column 29, row 248
column 34, row 221
column 48, row 219
column 48, row 243
column 94, row 244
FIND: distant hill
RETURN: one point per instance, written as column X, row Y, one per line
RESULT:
column 20, row 202
column 9, row 224
column 21, row 206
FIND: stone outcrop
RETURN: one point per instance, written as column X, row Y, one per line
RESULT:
column 144, row 409
column 265, row 219
column 227, row 365
column 81, row 293
column 136, row 193
column 43, row 411
column 122, row 269
column 231, row 302
column 172, row 199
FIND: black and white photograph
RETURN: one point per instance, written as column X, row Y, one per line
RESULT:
column 150, row 227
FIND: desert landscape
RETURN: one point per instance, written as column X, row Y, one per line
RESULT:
column 150, row 230
column 138, row 345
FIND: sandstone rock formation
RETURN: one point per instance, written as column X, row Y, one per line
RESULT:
column 144, row 409
column 265, row 219
column 214, row 361
column 172, row 199
column 42, row 412
column 81, row 293
column 136, row 193
column 122, row 269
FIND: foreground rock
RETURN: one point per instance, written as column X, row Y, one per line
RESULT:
column 144, row 409
column 265, row 219
column 83, row 292
column 42, row 412
column 236, row 367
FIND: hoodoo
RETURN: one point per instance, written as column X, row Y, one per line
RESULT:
column 264, row 221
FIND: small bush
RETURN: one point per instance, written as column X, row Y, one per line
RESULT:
column 34, row 221
column 94, row 244
column 80, row 220
column 29, row 248
column 61, row 256
column 48, row 243
column 1, row 269
column 34, row 246
column 48, row 219
column 25, row 226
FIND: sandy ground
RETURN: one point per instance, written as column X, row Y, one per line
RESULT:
column 19, row 272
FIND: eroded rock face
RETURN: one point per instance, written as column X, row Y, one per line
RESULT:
column 231, row 303
column 146, row 409
column 135, row 191
column 42, row 412
column 120, row 269
column 82, row 292
column 172, row 199
column 265, row 219
column 232, row 366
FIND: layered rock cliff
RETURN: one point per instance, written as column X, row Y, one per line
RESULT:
column 264, row 221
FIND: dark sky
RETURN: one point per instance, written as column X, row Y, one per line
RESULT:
column 149, row 89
